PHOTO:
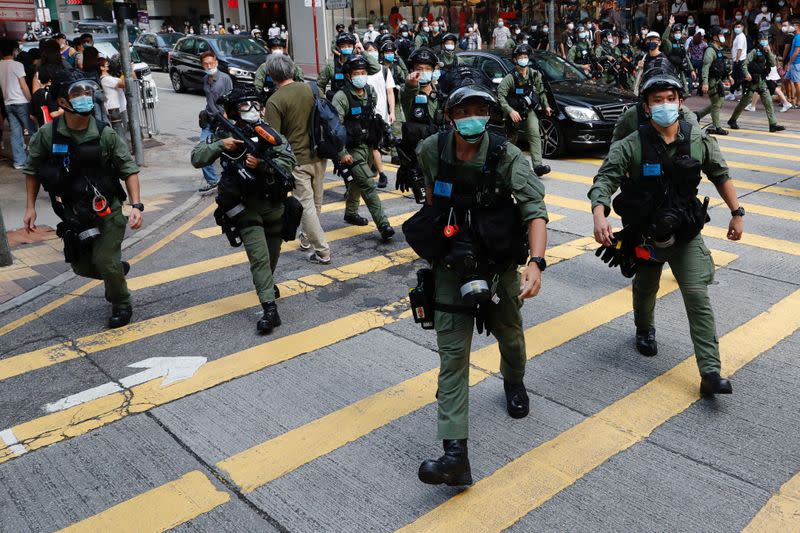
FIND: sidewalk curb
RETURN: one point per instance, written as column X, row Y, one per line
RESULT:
column 34, row 293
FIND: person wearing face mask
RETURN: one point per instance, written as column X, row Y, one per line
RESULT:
column 581, row 54
column 80, row 163
column 262, row 81
column 423, row 36
column 478, row 181
column 215, row 85
column 624, row 51
column 756, row 66
column 738, row 53
column 334, row 73
column 660, row 24
column 520, row 95
column 567, row 40
column 436, row 36
column 384, row 85
column 764, row 18
column 334, row 48
column 715, row 72
column 370, row 35
column 447, row 54
column 356, row 103
column 673, row 44
column 251, row 209
column 653, row 49
column 659, row 168
column 606, row 55
column 500, row 35
column 394, row 64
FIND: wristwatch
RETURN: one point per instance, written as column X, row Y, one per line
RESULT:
column 540, row 262
column 139, row 206
column 738, row 212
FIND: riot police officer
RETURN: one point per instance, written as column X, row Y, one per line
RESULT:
column 626, row 55
column 334, row 46
column 606, row 55
column 477, row 181
column 355, row 102
column 658, row 168
column 333, row 72
column 715, row 71
column 755, row 68
column 673, row 43
column 252, row 193
column 421, row 104
column 539, row 37
column 581, row 52
column 447, row 55
column 404, row 42
column 262, row 81
column 80, row 162
column 520, row 94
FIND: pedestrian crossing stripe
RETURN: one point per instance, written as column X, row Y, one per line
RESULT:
column 160, row 509
column 532, row 479
column 781, row 512
column 278, row 456
column 82, row 418
column 736, row 138
column 776, row 134
column 83, row 289
column 742, row 151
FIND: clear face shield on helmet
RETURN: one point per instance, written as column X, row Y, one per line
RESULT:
column 250, row 111
column 81, row 96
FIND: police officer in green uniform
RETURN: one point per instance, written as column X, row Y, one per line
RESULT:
column 80, row 163
column 355, row 103
column 755, row 68
column 262, row 81
column 333, row 72
column 715, row 71
column 423, row 36
column 626, row 55
column 484, row 186
column 520, row 94
column 606, row 54
column 658, row 169
column 447, row 55
column 424, row 114
column 581, row 53
column 251, row 194
column 673, row 43
column 334, row 46
column 395, row 64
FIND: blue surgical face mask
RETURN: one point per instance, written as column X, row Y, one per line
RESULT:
column 212, row 71
column 404, row 34
column 690, row 22
column 471, row 128
column 346, row 51
column 737, row 31
column 764, row 43
column 359, row 82
column 665, row 114
column 425, row 77
column 372, row 53
column 436, row 75
column 546, row 30
column 722, row 39
column 389, row 57
column 82, row 104
column 583, row 35
column 626, row 41
column 523, row 62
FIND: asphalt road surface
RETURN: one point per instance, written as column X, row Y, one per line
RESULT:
column 188, row 419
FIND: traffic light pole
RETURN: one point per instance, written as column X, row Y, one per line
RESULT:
column 122, row 11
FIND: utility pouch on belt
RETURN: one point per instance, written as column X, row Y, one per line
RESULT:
column 422, row 297
column 424, row 232
column 292, row 213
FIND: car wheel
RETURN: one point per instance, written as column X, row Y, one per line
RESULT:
column 553, row 143
column 177, row 82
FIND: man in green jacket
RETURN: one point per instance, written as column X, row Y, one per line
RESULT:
column 715, row 71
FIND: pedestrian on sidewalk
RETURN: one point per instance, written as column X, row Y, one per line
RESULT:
column 17, row 98
column 116, row 104
column 288, row 111
column 216, row 84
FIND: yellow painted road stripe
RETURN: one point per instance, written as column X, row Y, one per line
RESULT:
column 278, row 456
column 160, row 509
column 757, row 153
column 782, row 511
column 55, row 304
column 762, row 142
column 51, row 355
column 777, row 134
column 214, row 231
column 535, row 477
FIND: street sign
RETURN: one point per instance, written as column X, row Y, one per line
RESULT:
column 339, row 4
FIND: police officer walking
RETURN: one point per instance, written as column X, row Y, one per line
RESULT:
column 715, row 71
column 251, row 193
column 658, row 168
column 520, row 94
column 262, row 80
column 755, row 68
column 80, row 163
column 355, row 103
column 333, row 72
column 481, row 198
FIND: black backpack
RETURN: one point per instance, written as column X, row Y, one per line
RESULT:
column 325, row 130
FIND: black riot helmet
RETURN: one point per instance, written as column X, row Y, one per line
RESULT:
column 355, row 62
column 241, row 102
column 450, row 37
column 345, row 38
column 339, row 28
column 423, row 56
column 67, row 83
column 522, row 49
column 383, row 39
column 469, row 93
column 716, row 30
column 677, row 27
column 660, row 82
column 276, row 42
column 388, row 46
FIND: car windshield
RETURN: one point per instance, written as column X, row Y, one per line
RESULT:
column 238, row 47
column 109, row 50
column 556, row 69
column 171, row 38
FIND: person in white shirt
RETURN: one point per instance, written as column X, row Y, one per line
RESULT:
column 116, row 104
column 273, row 31
column 474, row 38
column 738, row 55
column 371, row 34
column 763, row 19
column 500, row 35
column 17, row 98
column 384, row 84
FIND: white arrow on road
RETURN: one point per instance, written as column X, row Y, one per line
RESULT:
column 172, row 369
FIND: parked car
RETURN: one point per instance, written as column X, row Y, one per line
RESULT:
column 585, row 110
column 154, row 48
column 103, row 27
column 238, row 55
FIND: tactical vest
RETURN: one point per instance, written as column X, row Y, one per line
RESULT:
column 718, row 69
column 338, row 81
column 626, row 51
column 758, row 67
column 522, row 88
column 677, row 56
column 582, row 54
column 358, row 122
column 420, row 124
column 606, row 50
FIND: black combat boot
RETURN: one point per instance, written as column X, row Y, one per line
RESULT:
column 646, row 342
column 270, row 320
column 387, row 232
column 126, row 267
column 733, row 124
column 541, row 170
column 451, row 469
column 712, row 384
column 356, row 220
column 776, row 127
column 712, row 130
column 120, row 316
column 517, row 402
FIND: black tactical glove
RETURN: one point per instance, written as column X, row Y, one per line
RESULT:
column 402, row 181
column 620, row 253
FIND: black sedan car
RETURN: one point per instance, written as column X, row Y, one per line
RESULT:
column 154, row 48
column 238, row 55
column 585, row 111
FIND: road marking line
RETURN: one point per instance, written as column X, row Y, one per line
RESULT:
column 749, row 185
column 265, row 462
column 758, row 153
column 159, row 509
column 55, row 304
column 781, row 512
column 11, row 442
column 83, row 418
column 51, row 355
column 535, row 477
column 778, row 134
column 736, row 138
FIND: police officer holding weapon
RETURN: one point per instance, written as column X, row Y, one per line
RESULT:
column 715, row 72
column 484, row 212
column 80, row 162
column 658, row 170
column 253, row 206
